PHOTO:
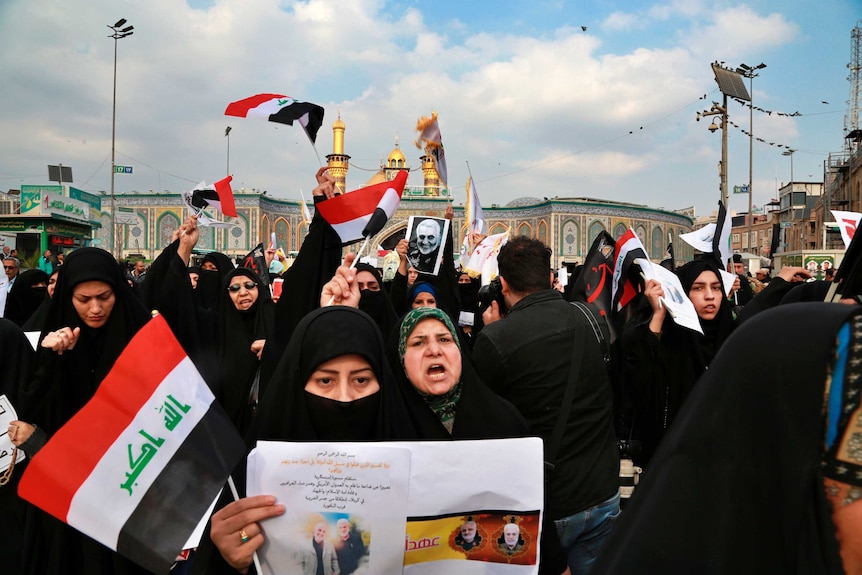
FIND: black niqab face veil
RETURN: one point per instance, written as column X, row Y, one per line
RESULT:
column 288, row 413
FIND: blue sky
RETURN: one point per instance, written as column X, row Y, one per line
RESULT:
column 537, row 105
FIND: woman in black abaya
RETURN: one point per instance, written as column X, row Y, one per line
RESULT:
column 302, row 403
column 664, row 360
column 92, row 317
column 244, row 318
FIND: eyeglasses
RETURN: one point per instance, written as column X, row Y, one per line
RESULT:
column 233, row 288
column 9, row 267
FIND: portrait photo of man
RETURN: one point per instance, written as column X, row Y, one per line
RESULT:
column 318, row 556
column 426, row 237
column 468, row 536
column 510, row 541
column 349, row 547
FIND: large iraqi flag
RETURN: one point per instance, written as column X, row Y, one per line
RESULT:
column 139, row 465
column 280, row 108
column 363, row 212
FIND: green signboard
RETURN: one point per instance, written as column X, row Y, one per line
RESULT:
column 89, row 199
column 31, row 197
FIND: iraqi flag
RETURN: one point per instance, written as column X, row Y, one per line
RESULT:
column 281, row 109
column 218, row 196
column 363, row 212
column 628, row 248
column 139, row 465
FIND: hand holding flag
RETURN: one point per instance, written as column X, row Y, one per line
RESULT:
column 218, row 196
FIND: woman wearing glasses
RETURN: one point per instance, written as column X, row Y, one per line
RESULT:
column 244, row 317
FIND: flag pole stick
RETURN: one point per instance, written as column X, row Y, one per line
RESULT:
column 197, row 215
column 235, row 494
column 353, row 263
column 470, row 243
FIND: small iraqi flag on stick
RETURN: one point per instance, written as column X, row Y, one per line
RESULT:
column 139, row 465
column 362, row 213
column 281, row 109
column 628, row 248
column 219, row 196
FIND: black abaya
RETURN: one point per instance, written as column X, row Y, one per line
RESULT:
column 735, row 486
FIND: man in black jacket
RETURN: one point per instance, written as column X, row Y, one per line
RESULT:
column 526, row 357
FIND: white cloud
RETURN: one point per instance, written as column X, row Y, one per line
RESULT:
column 561, row 102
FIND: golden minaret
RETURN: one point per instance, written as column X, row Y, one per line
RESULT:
column 337, row 161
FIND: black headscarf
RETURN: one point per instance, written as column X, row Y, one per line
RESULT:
column 24, row 299
column 285, row 412
column 376, row 303
column 64, row 383
column 209, row 281
column 37, row 319
column 717, row 329
column 235, row 331
column 735, row 486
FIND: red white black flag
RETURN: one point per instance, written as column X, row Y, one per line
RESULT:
column 363, row 212
column 281, row 109
column 139, row 465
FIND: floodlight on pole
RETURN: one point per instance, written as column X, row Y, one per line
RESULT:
column 750, row 72
column 117, row 34
column 721, row 113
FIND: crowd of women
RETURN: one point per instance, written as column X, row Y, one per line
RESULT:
column 340, row 357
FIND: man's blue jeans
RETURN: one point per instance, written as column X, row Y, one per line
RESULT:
column 583, row 534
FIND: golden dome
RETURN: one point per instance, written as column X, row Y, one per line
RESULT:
column 375, row 179
column 338, row 124
column 395, row 155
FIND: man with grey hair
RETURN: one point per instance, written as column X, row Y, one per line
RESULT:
column 319, row 557
column 11, row 266
column 349, row 547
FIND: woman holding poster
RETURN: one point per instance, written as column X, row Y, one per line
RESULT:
column 447, row 400
column 663, row 360
column 332, row 384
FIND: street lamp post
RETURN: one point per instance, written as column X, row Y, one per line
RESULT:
column 117, row 33
column 790, row 199
column 721, row 111
column 750, row 73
